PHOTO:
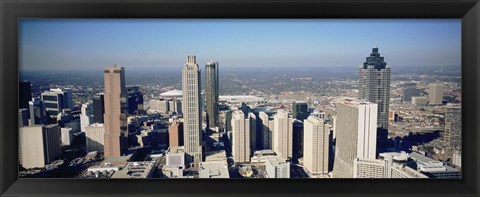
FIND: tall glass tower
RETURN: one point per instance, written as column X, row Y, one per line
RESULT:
column 192, row 116
column 211, row 82
column 374, row 85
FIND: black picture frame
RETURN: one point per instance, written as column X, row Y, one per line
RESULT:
column 11, row 11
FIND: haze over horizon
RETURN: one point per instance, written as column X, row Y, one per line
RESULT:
column 88, row 44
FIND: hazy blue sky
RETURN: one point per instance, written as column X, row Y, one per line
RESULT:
column 93, row 44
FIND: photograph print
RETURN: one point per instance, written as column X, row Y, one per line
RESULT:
column 240, row 98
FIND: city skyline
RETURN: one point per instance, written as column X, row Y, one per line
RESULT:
column 144, row 44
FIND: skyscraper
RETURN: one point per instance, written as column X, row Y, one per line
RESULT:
column 39, row 145
column 37, row 112
column 453, row 126
column 374, row 85
column 135, row 99
column 356, row 135
column 435, row 94
column 212, row 92
column 94, row 136
column 192, row 115
column 98, row 107
column 266, row 130
column 283, row 134
column 243, row 124
column 86, row 116
column 55, row 101
column 175, row 133
column 316, row 145
column 115, row 116
column 300, row 110
column 24, row 94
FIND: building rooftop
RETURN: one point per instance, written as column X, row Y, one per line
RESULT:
column 427, row 164
column 115, row 161
column 275, row 160
column 141, row 169
column 266, row 152
column 215, row 156
column 213, row 169
column 176, row 149
column 172, row 93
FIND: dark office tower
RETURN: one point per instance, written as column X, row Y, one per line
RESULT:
column 374, row 85
column 115, row 115
column 297, row 139
column 211, row 87
column 228, row 120
column 300, row 110
column 135, row 99
column 24, row 94
column 98, row 108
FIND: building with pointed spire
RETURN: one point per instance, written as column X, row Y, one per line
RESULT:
column 192, row 115
column 374, row 85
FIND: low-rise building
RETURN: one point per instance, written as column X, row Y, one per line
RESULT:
column 277, row 167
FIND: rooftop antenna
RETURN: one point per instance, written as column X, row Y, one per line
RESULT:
column 375, row 45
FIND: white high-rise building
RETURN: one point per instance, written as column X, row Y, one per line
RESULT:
column 316, row 145
column 86, row 117
column 356, row 135
column 283, row 134
column 242, row 126
column 192, row 114
column 435, row 94
column 39, row 145
column 94, row 135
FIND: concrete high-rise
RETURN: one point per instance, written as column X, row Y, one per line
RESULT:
column 39, row 145
column 283, row 134
column 175, row 133
column 356, row 135
column 435, row 94
column 115, row 117
column 243, row 124
column 94, row 135
column 316, row 140
column 374, row 85
column 24, row 94
column 37, row 112
column 212, row 92
column 453, row 127
column 192, row 114
column 300, row 110
column 86, row 116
